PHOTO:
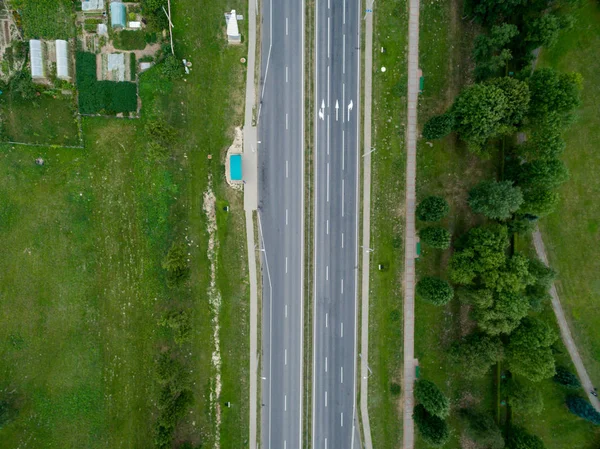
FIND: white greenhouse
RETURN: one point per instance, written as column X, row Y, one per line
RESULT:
column 36, row 59
column 62, row 59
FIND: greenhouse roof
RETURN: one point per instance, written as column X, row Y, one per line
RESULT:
column 62, row 59
column 36, row 58
column 92, row 5
column 118, row 14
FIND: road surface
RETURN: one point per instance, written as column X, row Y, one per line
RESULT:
column 337, row 121
column 281, row 193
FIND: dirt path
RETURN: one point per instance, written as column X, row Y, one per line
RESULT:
column 565, row 332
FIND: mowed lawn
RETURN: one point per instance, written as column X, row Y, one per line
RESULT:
column 84, row 237
column 572, row 233
column 387, row 223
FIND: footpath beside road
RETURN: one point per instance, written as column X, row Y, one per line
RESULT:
column 366, row 234
column 565, row 332
column 410, row 238
column 250, row 171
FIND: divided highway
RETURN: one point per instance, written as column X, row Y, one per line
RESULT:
column 336, row 222
column 281, row 220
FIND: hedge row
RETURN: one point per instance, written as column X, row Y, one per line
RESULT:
column 95, row 96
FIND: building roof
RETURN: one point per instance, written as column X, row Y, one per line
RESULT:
column 92, row 5
column 36, row 58
column 62, row 59
column 233, row 31
column 116, row 65
column 235, row 167
column 118, row 14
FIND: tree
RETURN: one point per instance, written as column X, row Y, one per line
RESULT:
column 171, row 68
column 543, row 31
column 529, row 351
column 538, row 201
column 432, row 398
column 179, row 322
column 438, row 126
column 566, row 378
column 176, row 264
column 436, row 237
column 22, row 87
column 434, row 290
column 476, row 353
column 519, row 438
column 432, row 429
column 582, row 408
column 554, row 92
column 490, row 11
column 479, row 114
column 517, row 95
column 482, row 428
column 524, row 398
column 504, row 315
column 489, row 51
column 546, row 173
column 481, row 250
column 537, row 293
column 497, row 200
column 522, row 224
column 432, row 208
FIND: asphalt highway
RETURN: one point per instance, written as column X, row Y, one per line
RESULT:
column 281, row 218
column 336, row 222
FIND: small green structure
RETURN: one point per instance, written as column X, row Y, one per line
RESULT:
column 418, row 250
column 417, row 371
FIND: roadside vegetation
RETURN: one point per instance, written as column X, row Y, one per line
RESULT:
column 387, row 223
column 493, row 350
column 125, row 319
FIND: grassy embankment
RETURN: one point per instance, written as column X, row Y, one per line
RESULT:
column 387, row 221
column 83, row 239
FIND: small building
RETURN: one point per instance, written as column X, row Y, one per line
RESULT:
column 116, row 66
column 62, row 59
column 118, row 15
column 233, row 31
column 235, row 167
column 92, row 5
column 134, row 25
column 102, row 29
column 36, row 58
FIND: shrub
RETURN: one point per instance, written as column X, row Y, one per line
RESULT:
column 438, row 126
column 176, row 264
column 395, row 389
column 566, row 378
column 8, row 410
column 482, row 429
column 432, row 429
column 180, row 324
column 582, row 408
column 476, row 353
column 436, row 237
column 495, row 200
column 432, row 208
column 434, row 290
column 170, row 68
column 519, row 438
column 22, row 87
column 524, row 398
column 432, row 398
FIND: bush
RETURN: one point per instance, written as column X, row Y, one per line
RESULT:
column 476, row 353
column 566, row 378
column 436, row 237
column 432, row 398
column 22, row 87
column 176, row 264
column 495, row 200
column 395, row 389
column 524, row 398
column 434, row 290
column 438, row 126
column 432, row 429
column 432, row 208
column 519, row 438
column 171, row 68
column 482, row 429
column 582, row 408
column 180, row 324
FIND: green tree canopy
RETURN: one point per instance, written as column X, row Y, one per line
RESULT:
column 482, row 428
column 504, row 315
column 524, row 398
column 519, row 438
column 438, row 126
column 432, row 429
column 566, row 378
column 434, row 290
column 529, row 351
column 489, row 50
column 432, row 208
column 554, row 92
column 538, row 201
column 432, row 398
column 497, row 200
column 436, row 237
column 476, row 353
column 545, row 173
column 517, row 96
column 582, row 408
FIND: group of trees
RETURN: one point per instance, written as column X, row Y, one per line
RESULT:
column 430, row 414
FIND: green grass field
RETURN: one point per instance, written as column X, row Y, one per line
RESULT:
column 46, row 121
column 387, row 223
column 83, row 239
column 571, row 234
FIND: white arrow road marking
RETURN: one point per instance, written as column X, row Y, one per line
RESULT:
column 350, row 107
column 337, row 110
column 322, row 111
